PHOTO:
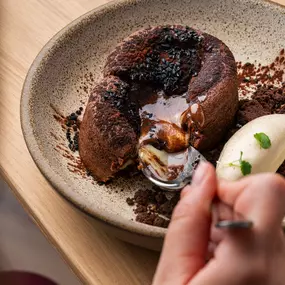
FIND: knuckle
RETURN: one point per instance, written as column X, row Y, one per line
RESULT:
column 273, row 183
column 278, row 182
column 257, row 273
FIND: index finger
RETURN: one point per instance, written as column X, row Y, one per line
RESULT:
column 186, row 243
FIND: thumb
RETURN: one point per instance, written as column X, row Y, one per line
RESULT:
column 186, row 243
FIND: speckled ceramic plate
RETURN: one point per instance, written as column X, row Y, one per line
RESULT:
column 60, row 77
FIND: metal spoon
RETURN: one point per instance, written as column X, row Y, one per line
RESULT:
column 184, row 178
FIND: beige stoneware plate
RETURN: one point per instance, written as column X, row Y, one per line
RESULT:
column 60, row 77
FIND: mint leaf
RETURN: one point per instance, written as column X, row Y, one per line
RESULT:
column 245, row 167
column 263, row 140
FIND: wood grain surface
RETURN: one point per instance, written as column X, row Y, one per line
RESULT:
column 95, row 257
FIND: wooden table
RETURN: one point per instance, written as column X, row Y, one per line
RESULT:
column 95, row 257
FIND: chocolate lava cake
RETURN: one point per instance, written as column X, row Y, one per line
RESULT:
column 168, row 86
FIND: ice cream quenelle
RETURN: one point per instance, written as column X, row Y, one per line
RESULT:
column 259, row 146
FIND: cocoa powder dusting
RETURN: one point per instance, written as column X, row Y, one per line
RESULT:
column 54, row 136
column 69, row 149
column 70, row 125
column 261, row 91
column 251, row 76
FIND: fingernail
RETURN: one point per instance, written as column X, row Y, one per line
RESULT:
column 199, row 174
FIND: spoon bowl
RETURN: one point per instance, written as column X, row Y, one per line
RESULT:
column 184, row 177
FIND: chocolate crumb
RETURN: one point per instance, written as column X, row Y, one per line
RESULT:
column 160, row 198
column 140, row 209
column 142, row 197
column 130, row 201
column 146, row 218
column 149, row 204
column 160, row 222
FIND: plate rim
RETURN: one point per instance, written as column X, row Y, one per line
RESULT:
column 47, row 171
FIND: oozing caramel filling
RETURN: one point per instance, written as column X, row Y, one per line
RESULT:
column 161, row 123
column 165, row 133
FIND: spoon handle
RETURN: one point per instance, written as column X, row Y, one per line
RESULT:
column 230, row 224
column 224, row 217
column 236, row 220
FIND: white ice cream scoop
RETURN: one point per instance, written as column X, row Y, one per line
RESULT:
column 257, row 147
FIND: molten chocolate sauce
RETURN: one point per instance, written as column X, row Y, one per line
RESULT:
column 166, row 125
column 161, row 123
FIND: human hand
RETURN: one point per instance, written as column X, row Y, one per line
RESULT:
column 250, row 256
